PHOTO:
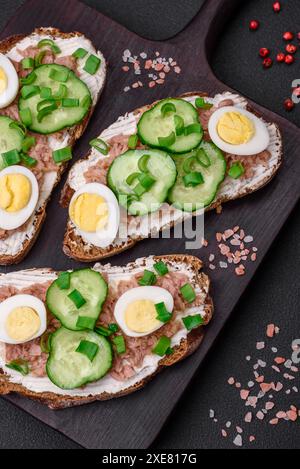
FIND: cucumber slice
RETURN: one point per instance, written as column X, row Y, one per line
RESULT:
column 155, row 124
column 190, row 199
column 10, row 139
column 160, row 166
column 69, row 369
column 93, row 289
column 63, row 116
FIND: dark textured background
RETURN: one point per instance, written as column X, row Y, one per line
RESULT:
column 273, row 295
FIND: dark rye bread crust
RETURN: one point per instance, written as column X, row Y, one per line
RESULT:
column 183, row 350
column 75, row 133
column 75, row 247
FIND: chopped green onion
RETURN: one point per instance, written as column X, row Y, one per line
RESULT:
column 161, row 268
column 193, row 129
column 188, row 293
column 62, row 155
column 25, row 116
column 62, row 92
column 28, row 143
column 103, row 331
column 100, row 145
column 29, row 90
column 27, row 160
column 146, row 180
column 18, row 126
column 236, row 170
column 126, row 199
column 192, row 322
column 167, row 108
column 162, row 346
column 59, row 75
column 84, row 322
column 43, row 103
column 27, row 63
column 70, row 102
column 119, row 343
column 45, row 342
column 19, row 365
column 142, row 163
column 11, row 158
column 112, row 328
column 80, row 53
column 163, row 314
column 87, row 348
column 167, row 141
column 46, row 111
column 179, row 125
column 50, row 43
column 86, row 101
column 148, row 278
column 193, row 179
column 131, row 178
column 201, row 104
column 203, row 158
column 132, row 142
column 76, row 297
column 188, row 162
column 46, row 93
column 38, row 60
column 29, row 79
column 63, row 281
column 92, row 64
column 139, row 190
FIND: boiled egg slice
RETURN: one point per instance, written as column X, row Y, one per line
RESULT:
column 22, row 318
column 237, row 131
column 135, row 310
column 19, row 194
column 9, row 82
column 95, row 212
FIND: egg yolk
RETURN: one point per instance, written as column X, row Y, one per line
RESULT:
column 89, row 212
column 15, row 192
column 235, row 128
column 22, row 323
column 3, row 80
column 140, row 316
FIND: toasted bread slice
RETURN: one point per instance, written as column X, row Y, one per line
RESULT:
column 76, row 247
column 183, row 342
column 15, row 246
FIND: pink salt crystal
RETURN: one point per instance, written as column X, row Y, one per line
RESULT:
column 224, row 433
column 251, row 438
column 151, row 84
column 125, row 68
column 269, row 405
column 248, row 417
column 274, row 421
column 244, row 394
column 281, row 415
column 270, row 330
column 292, row 415
column 160, row 81
column 260, row 415
column 260, row 345
column 148, row 64
column 231, row 381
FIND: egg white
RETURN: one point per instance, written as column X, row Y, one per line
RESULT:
column 258, row 143
column 104, row 237
column 155, row 294
column 10, row 93
column 7, row 306
column 11, row 221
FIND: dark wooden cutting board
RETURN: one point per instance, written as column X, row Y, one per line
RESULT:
column 134, row 421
